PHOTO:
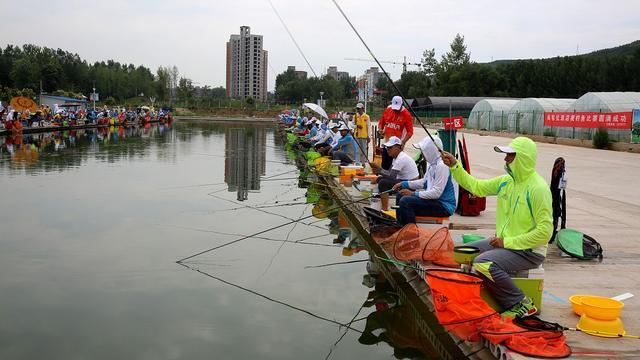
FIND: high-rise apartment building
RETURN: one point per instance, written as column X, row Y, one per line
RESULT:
column 246, row 66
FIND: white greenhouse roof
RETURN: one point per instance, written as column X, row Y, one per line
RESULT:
column 607, row 101
column 543, row 104
column 494, row 105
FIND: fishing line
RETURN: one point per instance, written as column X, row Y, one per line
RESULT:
column 292, row 38
column 299, row 241
column 345, row 331
column 273, row 228
column 261, row 210
column 282, row 245
column 269, row 298
column 395, row 87
column 336, row 263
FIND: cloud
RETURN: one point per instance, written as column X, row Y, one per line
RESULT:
column 192, row 33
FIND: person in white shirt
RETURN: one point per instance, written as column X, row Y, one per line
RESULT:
column 333, row 135
column 434, row 195
column 403, row 168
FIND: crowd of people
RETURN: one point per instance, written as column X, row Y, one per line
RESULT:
column 61, row 116
column 523, row 227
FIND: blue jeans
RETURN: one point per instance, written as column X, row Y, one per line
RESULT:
column 410, row 206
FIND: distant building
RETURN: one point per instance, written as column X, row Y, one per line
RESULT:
column 373, row 75
column 246, row 66
column 334, row 73
column 301, row 74
column 67, row 102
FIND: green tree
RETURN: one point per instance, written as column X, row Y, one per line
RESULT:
column 24, row 74
column 185, row 89
column 457, row 56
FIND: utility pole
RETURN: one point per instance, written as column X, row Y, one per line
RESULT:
column 93, row 96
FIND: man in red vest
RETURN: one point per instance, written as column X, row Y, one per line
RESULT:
column 396, row 121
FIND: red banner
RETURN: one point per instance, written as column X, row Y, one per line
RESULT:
column 611, row 120
column 456, row 122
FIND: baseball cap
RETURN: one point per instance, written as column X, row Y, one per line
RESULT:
column 334, row 125
column 504, row 149
column 394, row 140
column 396, row 103
column 359, row 106
column 343, row 127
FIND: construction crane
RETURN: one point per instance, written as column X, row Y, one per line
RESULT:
column 404, row 63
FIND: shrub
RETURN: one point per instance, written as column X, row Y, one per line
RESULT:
column 601, row 138
column 548, row 132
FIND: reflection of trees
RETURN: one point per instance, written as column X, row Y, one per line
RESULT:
column 245, row 155
column 58, row 151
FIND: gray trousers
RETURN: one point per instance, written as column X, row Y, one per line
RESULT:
column 362, row 144
column 495, row 264
column 343, row 157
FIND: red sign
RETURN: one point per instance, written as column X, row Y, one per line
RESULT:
column 610, row 120
column 456, row 122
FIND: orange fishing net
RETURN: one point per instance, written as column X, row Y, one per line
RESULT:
column 459, row 307
column 413, row 242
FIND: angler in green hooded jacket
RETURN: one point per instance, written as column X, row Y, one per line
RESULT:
column 523, row 222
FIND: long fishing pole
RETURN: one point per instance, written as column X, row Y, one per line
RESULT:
column 395, row 87
column 348, row 326
column 335, row 263
column 277, row 227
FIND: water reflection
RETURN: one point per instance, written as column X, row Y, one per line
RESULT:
column 245, row 160
column 65, row 149
column 391, row 322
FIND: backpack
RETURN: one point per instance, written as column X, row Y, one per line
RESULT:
column 578, row 245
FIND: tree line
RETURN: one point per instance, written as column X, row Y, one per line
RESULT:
column 26, row 70
column 455, row 74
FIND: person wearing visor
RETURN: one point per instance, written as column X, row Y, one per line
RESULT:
column 433, row 195
column 345, row 149
column 403, row 168
column 523, row 223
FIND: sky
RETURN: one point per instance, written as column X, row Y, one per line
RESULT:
column 192, row 34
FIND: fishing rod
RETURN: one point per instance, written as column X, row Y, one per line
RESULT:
column 278, row 227
column 335, row 263
column 260, row 210
column 270, row 299
column 302, row 241
column 536, row 324
column 395, row 87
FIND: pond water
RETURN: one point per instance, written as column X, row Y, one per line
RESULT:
column 94, row 221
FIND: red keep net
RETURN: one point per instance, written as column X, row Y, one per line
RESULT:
column 413, row 242
column 459, row 307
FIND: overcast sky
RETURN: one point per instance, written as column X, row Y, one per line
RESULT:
column 192, row 33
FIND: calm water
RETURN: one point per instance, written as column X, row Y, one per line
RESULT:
column 93, row 222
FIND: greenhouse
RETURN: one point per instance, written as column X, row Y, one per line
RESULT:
column 527, row 115
column 603, row 102
column 490, row 114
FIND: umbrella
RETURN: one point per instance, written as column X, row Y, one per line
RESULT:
column 21, row 103
column 316, row 108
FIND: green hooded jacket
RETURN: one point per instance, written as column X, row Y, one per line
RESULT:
column 524, row 211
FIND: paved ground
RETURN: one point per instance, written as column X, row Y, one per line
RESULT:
column 603, row 202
